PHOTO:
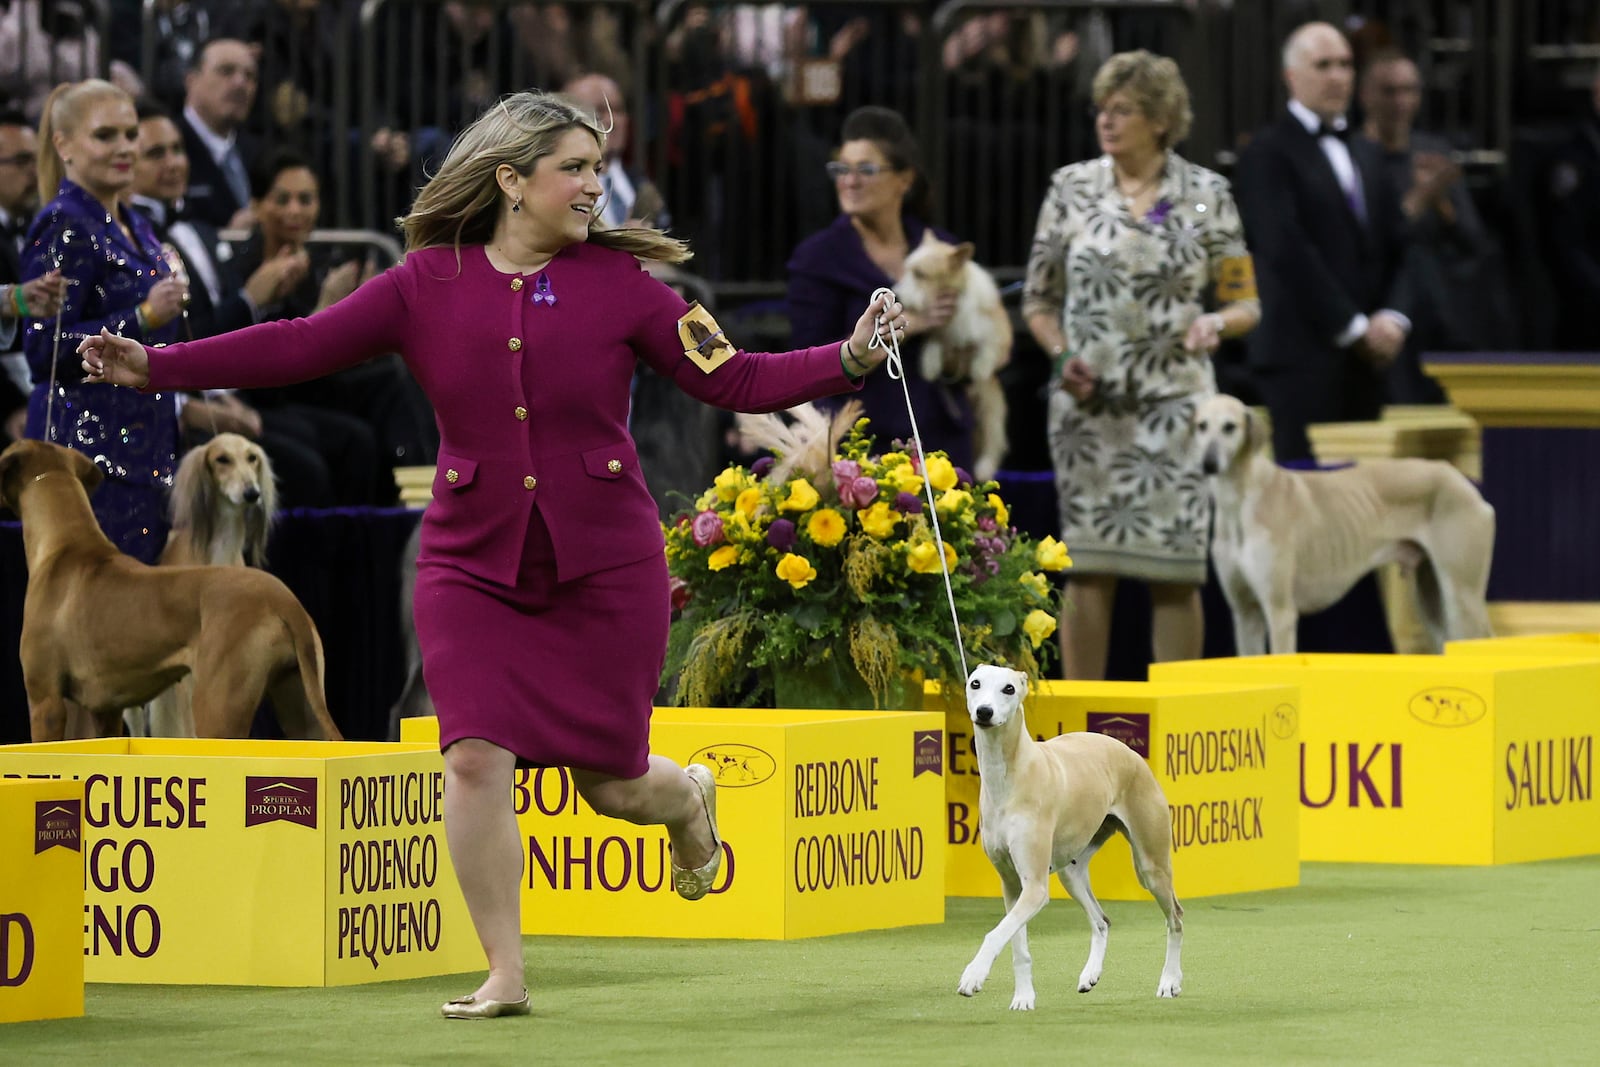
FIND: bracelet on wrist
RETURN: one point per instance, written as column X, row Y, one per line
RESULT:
column 850, row 354
column 20, row 300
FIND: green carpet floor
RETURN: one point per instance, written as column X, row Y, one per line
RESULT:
column 1360, row 964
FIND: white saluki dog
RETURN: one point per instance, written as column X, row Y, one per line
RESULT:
column 1287, row 543
column 1049, row 806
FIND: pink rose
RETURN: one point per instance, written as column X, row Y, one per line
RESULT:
column 857, row 492
column 707, row 529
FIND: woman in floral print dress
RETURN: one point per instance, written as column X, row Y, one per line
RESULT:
column 1128, row 250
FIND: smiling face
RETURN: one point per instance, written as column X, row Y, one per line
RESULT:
column 559, row 196
column 870, row 186
column 161, row 171
column 98, row 153
column 288, row 212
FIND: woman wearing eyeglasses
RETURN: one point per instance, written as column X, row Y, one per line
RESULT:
column 884, row 204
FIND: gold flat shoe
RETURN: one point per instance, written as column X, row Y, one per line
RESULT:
column 694, row 884
column 471, row 1007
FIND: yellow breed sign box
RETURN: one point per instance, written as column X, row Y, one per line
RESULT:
column 1574, row 645
column 831, row 822
column 41, row 900
column 275, row 863
column 1436, row 759
column 1225, row 758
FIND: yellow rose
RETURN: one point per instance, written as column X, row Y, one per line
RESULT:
column 826, row 527
column 802, row 496
column 953, row 500
column 796, row 570
column 941, row 472
column 726, row 556
column 1001, row 514
column 1051, row 555
column 728, row 483
column 906, row 480
column 1038, row 626
column 879, row 520
column 1037, row 584
column 747, row 502
column 923, row 557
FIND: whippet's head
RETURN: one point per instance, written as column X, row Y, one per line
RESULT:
column 995, row 695
column 1226, row 432
column 25, row 462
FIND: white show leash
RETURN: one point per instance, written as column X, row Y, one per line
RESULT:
column 897, row 372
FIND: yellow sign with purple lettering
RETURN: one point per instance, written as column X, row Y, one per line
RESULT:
column 1460, row 759
column 830, row 823
column 279, row 863
column 1223, row 755
column 41, row 900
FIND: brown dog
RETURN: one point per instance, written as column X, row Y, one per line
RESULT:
column 102, row 631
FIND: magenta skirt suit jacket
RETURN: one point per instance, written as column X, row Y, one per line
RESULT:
column 542, row 600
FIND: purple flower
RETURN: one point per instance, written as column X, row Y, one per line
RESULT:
column 707, row 529
column 908, row 504
column 987, row 524
column 857, row 492
column 963, row 477
column 780, row 535
column 1158, row 212
column 761, row 466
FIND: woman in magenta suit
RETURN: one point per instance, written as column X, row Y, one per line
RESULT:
column 542, row 598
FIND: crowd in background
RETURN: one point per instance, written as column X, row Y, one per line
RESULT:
column 726, row 116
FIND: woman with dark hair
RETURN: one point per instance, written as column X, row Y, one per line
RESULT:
column 884, row 205
column 366, row 419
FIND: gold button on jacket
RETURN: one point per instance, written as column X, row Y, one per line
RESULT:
column 452, row 476
column 521, row 413
column 529, row 482
column 515, row 344
column 613, row 465
column 516, row 285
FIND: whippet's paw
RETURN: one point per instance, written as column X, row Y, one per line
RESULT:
column 1170, row 986
column 1088, row 980
column 1022, row 1000
column 972, row 980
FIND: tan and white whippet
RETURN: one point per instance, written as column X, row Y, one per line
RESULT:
column 1049, row 806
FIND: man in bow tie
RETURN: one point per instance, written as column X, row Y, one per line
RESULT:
column 1324, row 223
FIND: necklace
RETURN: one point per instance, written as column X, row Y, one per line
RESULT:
column 1143, row 187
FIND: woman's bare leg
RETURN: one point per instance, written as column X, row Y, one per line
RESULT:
column 486, row 850
column 1178, row 622
column 662, row 796
column 1086, row 626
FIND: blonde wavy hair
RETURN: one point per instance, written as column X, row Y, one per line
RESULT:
column 462, row 202
column 1154, row 85
column 64, row 110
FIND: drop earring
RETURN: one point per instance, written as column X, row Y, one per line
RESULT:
column 516, row 205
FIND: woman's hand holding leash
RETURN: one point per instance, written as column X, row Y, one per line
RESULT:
column 885, row 320
column 115, row 360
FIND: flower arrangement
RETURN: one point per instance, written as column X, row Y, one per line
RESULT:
column 826, row 559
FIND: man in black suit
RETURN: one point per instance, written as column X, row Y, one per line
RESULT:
column 1325, row 227
column 219, row 91
column 321, row 458
column 19, row 157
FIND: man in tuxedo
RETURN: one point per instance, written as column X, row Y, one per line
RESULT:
column 219, row 91
column 321, row 458
column 19, row 157
column 1326, row 230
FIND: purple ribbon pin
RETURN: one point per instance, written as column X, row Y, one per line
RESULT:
column 541, row 292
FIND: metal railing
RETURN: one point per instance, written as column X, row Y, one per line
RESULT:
column 737, row 107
